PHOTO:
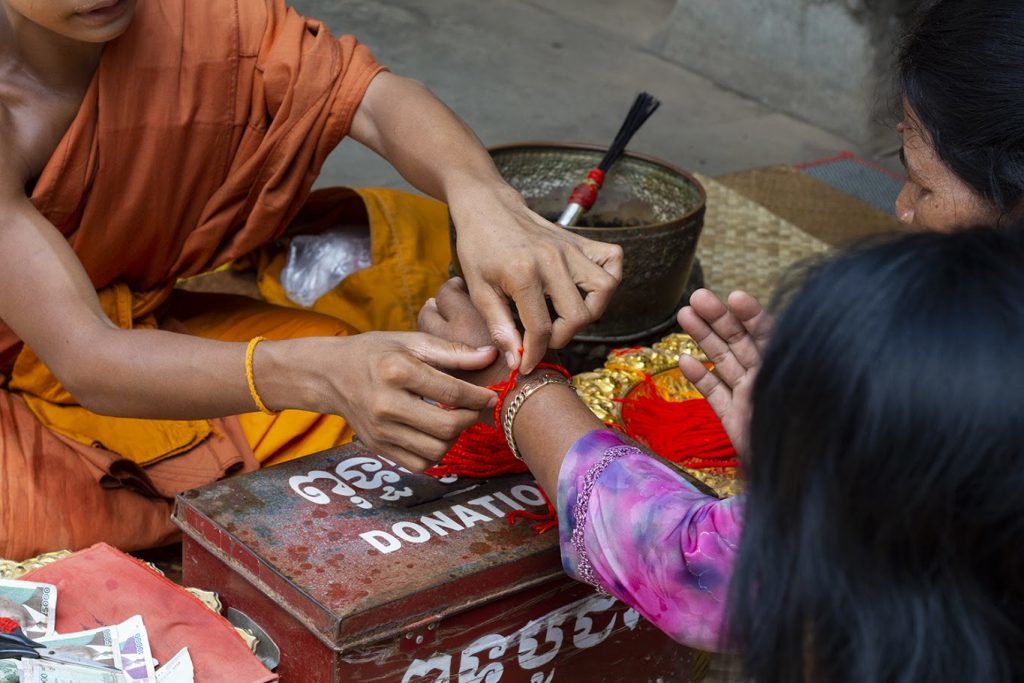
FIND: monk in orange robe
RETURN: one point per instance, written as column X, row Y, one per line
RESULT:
column 142, row 143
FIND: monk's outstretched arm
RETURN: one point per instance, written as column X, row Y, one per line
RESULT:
column 507, row 252
column 375, row 380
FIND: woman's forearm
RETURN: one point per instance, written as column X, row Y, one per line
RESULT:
column 629, row 523
column 545, row 428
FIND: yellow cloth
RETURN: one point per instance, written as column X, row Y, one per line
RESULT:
column 61, row 463
column 144, row 442
column 411, row 253
column 293, row 434
column 288, row 434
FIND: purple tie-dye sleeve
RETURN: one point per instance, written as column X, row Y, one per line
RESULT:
column 634, row 527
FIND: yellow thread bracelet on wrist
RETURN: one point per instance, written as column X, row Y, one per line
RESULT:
column 251, row 378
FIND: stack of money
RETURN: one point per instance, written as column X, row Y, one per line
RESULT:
column 123, row 647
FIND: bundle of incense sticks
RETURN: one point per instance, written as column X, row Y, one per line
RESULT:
column 585, row 194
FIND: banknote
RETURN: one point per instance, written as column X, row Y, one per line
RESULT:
column 9, row 671
column 100, row 645
column 177, row 670
column 41, row 671
column 32, row 605
column 136, row 657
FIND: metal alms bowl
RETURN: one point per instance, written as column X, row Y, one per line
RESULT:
column 652, row 209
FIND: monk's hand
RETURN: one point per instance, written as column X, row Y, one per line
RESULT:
column 393, row 389
column 509, row 254
column 733, row 335
column 452, row 316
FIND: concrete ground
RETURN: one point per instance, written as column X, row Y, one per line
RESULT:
column 564, row 70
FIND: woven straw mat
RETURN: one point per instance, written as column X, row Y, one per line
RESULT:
column 9, row 569
column 745, row 246
column 815, row 207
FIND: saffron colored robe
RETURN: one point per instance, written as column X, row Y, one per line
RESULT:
column 197, row 143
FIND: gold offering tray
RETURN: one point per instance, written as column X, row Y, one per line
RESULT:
column 624, row 372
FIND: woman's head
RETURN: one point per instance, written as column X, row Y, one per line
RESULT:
column 885, row 518
column 963, row 114
column 85, row 21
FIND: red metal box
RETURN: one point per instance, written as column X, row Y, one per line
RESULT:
column 363, row 571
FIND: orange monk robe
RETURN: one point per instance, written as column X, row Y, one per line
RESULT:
column 197, row 142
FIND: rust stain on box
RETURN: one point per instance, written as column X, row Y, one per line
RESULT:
column 348, row 535
column 361, row 570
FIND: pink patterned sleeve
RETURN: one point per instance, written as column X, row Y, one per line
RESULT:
column 633, row 527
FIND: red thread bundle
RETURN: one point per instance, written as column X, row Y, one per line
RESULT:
column 685, row 432
column 482, row 452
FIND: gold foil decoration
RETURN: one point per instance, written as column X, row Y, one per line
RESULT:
column 603, row 389
column 675, row 345
column 9, row 569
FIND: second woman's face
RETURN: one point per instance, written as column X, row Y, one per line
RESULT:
column 935, row 198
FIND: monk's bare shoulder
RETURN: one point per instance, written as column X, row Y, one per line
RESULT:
column 15, row 169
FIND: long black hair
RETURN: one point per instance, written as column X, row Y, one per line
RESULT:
column 884, row 527
column 961, row 67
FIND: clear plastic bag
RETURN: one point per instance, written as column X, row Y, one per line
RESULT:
column 318, row 263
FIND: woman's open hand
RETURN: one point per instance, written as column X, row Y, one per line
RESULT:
column 733, row 336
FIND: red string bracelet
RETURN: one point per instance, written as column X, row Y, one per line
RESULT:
column 481, row 452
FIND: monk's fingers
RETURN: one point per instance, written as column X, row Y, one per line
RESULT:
column 417, row 426
column 717, row 393
column 495, row 309
column 399, row 424
column 442, row 388
column 426, row 352
column 383, row 442
column 597, row 279
column 751, row 314
column 609, row 257
column 727, row 327
column 528, row 294
column 424, row 445
column 570, row 307
column 727, row 366
column 436, row 420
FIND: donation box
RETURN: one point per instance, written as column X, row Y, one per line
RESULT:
column 360, row 570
